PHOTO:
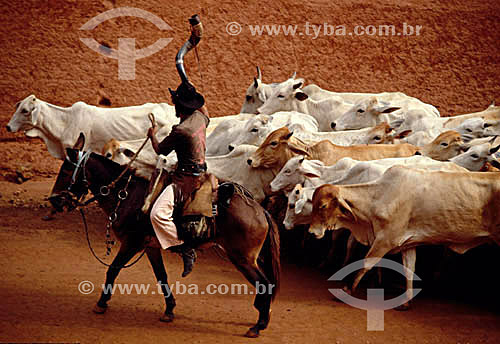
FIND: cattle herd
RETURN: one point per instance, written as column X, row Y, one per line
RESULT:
column 386, row 167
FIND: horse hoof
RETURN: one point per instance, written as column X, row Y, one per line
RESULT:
column 99, row 310
column 403, row 307
column 252, row 333
column 167, row 317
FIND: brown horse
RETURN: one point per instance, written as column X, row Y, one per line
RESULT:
column 243, row 228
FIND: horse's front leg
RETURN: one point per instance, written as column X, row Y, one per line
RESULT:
column 156, row 260
column 125, row 254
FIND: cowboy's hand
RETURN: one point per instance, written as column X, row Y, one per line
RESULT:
column 152, row 131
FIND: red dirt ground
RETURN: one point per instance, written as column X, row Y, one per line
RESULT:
column 453, row 64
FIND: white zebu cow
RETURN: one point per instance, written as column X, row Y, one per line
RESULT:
column 374, row 110
column 289, row 97
column 221, row 140
column 60, row 127
column 455, row 209
column 483, row 123
column 477, row 156
column 258, row 128
column 257, row 93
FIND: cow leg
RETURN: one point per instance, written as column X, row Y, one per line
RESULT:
column 331, row 252
column 124, row 255
column 376, row 252
column 351, row 243
column 409, row 258
column 156, row 260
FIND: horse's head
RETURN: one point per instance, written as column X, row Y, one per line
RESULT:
column 71, row 183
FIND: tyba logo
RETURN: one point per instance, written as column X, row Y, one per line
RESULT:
column 126, row 53
column 375, row 305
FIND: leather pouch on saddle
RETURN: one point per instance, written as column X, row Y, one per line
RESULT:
column 194, row 196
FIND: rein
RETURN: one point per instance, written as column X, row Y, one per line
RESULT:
column 105, row 189
column 95, row 255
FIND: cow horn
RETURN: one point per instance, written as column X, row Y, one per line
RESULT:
column 259, row 74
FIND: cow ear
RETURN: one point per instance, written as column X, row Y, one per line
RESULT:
column 391, row 109
column 262, row 96
column 397, row 122
column 80, row 143
column 255, row 82
column 346, row 209
column 298, row 84
column 310, row 171
column 494, row 149
column 299, row 205
column 403, row 134
column 287, row 137
column 128, row 153
column 298, row 150
column 35, row 113
column 301, row 96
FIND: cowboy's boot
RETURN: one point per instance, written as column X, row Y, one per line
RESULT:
column 188, row 255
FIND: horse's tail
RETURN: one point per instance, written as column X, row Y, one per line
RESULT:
column 271, row 255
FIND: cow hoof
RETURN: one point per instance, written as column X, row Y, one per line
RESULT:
column 403, row 307
column 252, row 333
column 99, row 310
column 167, row 317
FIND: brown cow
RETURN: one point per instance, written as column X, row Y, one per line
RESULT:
column 280, row 146
column 444, row 147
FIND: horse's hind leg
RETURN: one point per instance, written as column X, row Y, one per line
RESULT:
column 263, row 298
column 156, row 260
column 124, row 255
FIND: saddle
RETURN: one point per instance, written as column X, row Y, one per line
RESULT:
column 195, row 203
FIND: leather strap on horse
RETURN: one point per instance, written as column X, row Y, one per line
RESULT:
column 95, row 255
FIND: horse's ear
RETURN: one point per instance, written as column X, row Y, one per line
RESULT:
column 71, row 154
column 80, row 143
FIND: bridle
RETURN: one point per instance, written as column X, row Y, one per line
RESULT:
column 104, row 191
